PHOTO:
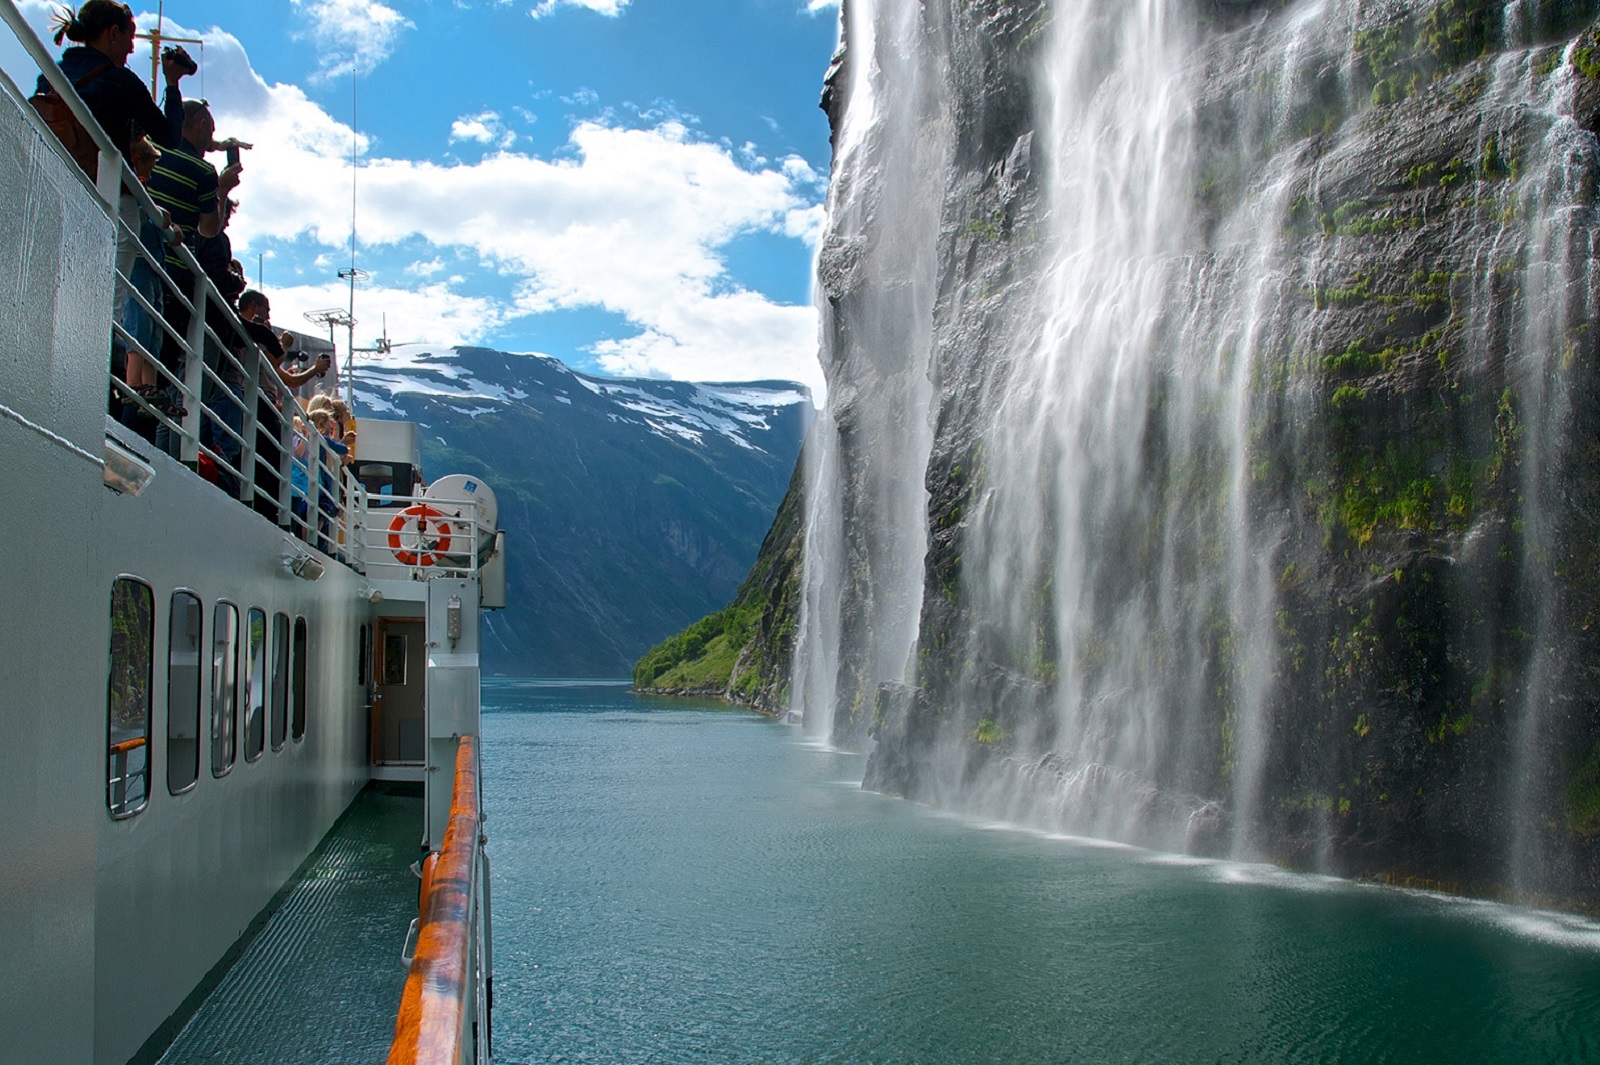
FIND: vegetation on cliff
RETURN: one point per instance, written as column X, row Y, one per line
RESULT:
column 741, row 653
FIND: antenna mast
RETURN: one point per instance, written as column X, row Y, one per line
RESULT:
column 352, row 275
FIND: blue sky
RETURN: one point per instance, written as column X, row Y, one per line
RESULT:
column 631, row 186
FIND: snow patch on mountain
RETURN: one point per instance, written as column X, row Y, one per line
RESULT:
column 738, row 413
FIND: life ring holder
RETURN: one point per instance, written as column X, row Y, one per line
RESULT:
column 421, row 516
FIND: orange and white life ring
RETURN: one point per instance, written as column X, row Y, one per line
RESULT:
column 428, row 533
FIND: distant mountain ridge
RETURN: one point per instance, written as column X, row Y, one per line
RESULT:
column 632, row 506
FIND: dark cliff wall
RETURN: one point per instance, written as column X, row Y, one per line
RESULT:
column 1415, row 718
column 1422, row 455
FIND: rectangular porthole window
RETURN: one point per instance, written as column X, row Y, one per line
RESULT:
column 280, row 680
column 183, row 692
column 255, row 684
column 133, row 620
column 224, row 688
column 298, row 669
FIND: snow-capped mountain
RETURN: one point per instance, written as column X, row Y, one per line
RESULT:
column 632, row 507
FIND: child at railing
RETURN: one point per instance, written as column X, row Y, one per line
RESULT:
column 329, row 476
column 299, row 489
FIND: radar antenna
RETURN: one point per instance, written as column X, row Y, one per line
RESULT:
column 383, row 345
column 332, row 318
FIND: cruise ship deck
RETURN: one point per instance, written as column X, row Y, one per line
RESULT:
column 322, row 978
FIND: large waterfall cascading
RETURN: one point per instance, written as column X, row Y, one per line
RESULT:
column 1208, row 455
column 867, row 544
column 1561, row 287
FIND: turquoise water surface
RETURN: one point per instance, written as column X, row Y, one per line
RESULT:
column 680, row 883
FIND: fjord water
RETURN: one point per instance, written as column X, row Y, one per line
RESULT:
column 679, row 883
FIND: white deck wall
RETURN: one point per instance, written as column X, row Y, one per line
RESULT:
column 55, row 286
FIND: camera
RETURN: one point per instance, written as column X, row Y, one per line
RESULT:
column 185, row 63
column 233, row 155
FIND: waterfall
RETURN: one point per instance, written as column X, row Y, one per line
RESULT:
column 1209, row 457
column 1561, row 289
column 866, row 502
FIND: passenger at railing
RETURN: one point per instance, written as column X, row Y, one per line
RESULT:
column 328, row 475
column 347, row 428
column 255, row 310
column 298, row 357
column 141, row 325
column 193, row 193
column 225, row 397
column 276, row 382
column 214, row 253
column 298, row 487
column 344, row 433
column 97, row 66
column 188, row 186
column 121, row 105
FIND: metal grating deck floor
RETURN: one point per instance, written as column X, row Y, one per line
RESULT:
column 321, row 981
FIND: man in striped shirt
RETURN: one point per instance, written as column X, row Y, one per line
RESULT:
column 194, row 194
column 189, row 187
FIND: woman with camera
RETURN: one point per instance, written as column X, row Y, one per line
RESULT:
column 97, row 66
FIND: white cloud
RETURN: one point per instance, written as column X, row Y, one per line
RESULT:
column 609, row 8
column 633, row 221
column 485, row 128
column 814, row 6
column 351, row 34
column 628, row 220
column 434, row 312
column 738, row 336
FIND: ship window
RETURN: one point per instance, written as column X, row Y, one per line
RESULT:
column 280, row 680
column 255, row 684
column 183, row 692
column 133, row 616
column 298, row 669
column 363, row 655
column 224, row 687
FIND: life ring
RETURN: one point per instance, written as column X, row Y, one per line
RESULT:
column 426, row 551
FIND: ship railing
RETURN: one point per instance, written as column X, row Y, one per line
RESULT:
column 418, row 537
column 444, row 1010
column 217, row 405
column 128, row 775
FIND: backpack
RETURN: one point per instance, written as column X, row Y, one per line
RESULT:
column 65, row 125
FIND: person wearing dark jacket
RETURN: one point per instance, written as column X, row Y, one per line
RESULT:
column 97, row 65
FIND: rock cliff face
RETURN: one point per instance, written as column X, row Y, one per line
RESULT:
column 1212, row 457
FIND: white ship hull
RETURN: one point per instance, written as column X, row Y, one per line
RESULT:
column 110, row 923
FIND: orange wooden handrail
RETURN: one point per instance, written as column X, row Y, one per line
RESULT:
column 433, row 1007
column 128, row 745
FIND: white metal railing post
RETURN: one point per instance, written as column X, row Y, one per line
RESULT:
column 194, row 370
column 285, row 457
column 108, row 179
column 250, row 359
column 358, row 527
